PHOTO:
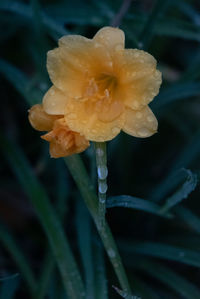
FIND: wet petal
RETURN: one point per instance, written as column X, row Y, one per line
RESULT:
column 75, row 61
column 110, row 37
column 139, row 81
column 88, row 124
column 64, row 142
column 54, row 101
column 40, row 120
column 141, row 123
column 108, row 112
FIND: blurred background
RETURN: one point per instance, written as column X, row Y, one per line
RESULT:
column 157, row 225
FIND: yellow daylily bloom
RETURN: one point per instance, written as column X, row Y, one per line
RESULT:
column 101, row 88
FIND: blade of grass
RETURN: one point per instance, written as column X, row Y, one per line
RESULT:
column 187, row 187
column 189, row 218
column 9, row 287
column 79, row 173
column 176, row 92
column 83, row 223
column 11, row 245
column 68, row 269
column 101, row 288
column 172, row 279
column 164, row 251
column 147, row 32
column 188, row 154
column 131, row 202
column 61, row 206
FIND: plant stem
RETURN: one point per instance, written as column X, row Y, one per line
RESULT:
column 102, row 172
column 79, row 173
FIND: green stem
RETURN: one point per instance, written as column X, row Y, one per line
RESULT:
column 102, row 171
column 79, row 173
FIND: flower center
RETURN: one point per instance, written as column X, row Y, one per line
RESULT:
column 106, row 83
column 103, row 85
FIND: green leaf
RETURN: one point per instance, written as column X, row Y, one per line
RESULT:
column 189, row 218
column 164, row 251
column 125, row 294
column 20, row 82
column 187, row 155
column 9, row 286
column 55, row 28
column 170, row 278
column 136, row 203
column 177, row 28
column 187, row 187
column 48, row 218
column 83, row 223
column 148, row 30
column 176, row 92
column 23, row 265
column 101, row 288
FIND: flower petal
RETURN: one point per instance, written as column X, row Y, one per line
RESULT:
column 64, row 142
column 108, row 112
column 81, row 120
column 141, row 123
column 40, row 120
column 139, row 81
column 110, row 37
column 54, row 101
column 74, row 62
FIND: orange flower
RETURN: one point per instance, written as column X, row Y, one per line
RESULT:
column 63, row 141
column 100, row 88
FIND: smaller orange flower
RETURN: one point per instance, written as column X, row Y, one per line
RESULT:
column 63, row 141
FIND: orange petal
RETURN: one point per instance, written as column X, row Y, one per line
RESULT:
column 40, row 120
column 110, row 37
column 76, row 59
column 139, row 81
column 64, row 142
column 88, row 124
column 141, row 123
column 107, row 112
column 54, row 101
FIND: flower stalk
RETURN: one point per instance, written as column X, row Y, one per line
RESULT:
column 80, row 176
column 102, row 173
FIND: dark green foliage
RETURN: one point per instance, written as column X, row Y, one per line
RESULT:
column 157, row 222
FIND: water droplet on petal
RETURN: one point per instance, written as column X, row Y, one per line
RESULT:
column 138, row 115
column 115, row 130
column 143, row 132
column 150, row 118
column 102, row 171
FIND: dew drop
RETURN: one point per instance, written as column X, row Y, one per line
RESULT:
column 135, row 104
column 150, row 118
column 52, row 92
column 138, row 115
column 103, row 187
column 143, row 132
column 115, row 130
column 111, row 253
column 100, row 152
column 102, row 172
